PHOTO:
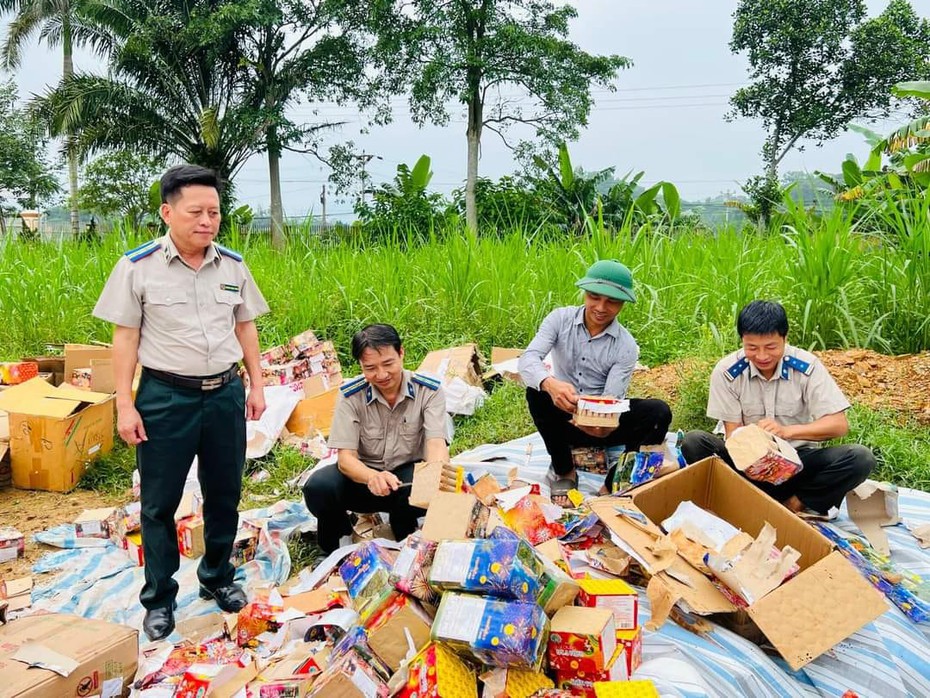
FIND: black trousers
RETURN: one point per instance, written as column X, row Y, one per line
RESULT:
column 646, row 422
column 330, row 496
column 828, row 474
column 182, row 423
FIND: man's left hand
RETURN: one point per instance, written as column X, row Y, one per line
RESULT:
column 596, row 432
column 255, row 404
column 773, row 427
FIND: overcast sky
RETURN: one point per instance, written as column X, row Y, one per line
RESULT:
column 667, row 116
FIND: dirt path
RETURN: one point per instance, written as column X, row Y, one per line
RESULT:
column 897, row 383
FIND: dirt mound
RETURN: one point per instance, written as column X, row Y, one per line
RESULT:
column 896, row 383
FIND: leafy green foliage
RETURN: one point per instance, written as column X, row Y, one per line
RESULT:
column 404, row 204
column 472, row 52
column 27, row 178
column 816, row 65
column 118, row 184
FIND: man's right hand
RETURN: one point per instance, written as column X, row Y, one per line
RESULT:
column 563, row 394
column 129, row 425
column 383, row 482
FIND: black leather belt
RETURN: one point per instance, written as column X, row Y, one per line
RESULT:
column 195, row 382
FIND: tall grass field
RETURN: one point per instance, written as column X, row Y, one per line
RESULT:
column 845, row 282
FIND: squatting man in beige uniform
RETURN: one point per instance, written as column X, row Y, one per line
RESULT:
column 386, row 421
column 788, row 392
column 185, row 308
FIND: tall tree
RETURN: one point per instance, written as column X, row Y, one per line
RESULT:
column 293, row 49
column 474, row 51
column 58, row 23
column 173, row 87
column 815, row 65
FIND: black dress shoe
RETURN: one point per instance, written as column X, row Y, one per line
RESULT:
column 230, row 598
column 158, row 623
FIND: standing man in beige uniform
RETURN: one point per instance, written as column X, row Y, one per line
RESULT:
column 787, row 392
column 386, row 420
column 185, row 308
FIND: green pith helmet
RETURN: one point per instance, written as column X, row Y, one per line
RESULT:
column 609, row 278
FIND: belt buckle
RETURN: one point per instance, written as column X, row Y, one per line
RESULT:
column 211, row 383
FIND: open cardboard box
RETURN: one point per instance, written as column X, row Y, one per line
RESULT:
column 803, row 618
column 463, row 362
column 55, row 432
column 314, row 414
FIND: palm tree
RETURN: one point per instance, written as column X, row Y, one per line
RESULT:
column 172, row 88
column 58, row 22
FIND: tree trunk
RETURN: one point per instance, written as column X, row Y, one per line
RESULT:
column 473, row 135
column 277, row 208
column 67, row 71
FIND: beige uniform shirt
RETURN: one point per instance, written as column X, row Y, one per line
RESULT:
column 187, row 318
column 386, row 437
column 799, row 392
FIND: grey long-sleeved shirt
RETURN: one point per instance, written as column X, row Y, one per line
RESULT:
column 600, row 365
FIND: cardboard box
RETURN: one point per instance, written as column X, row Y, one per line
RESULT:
column 437, row 672
column 314, row 414
column 581, row 683
column 133, row 548
column 463, row 362
column 93, row 523
column 497, row 633
column 614, row 594
column 582, row 639
column 55, row 432
column 506, row 569
column 452, row 515
column 304, row 343
column 366, row 573
column 352, row 677
column 190, row 537
column 386, row 634
column 103, row 652
column 54, row 365
column 632, row 643
column 12, row 544
column 599, row 411
column 626, row 689
column 16, row 593
column 81, row 355
column 794, row 618
column 504, row 365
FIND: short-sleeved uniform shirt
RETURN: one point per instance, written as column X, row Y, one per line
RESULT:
column 187, row 318
column 600, row 365
column 799, row 392
column 387, row 437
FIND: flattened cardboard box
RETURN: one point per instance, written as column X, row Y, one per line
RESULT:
column 463, row 362
column 55, row 432
column 795, row 617
column 314, row 414
column 104, row 652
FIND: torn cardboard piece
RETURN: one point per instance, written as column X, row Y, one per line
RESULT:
column 42, row 657
column 755, row 571
column 762, row 456
column 871, row 506
column 922, row 534
column 454, row 515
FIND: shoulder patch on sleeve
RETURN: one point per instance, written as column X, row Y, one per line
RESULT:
column 232, row 254
column 426, row 381
column 143, row 251
column 797, row 364
column 352, row 386
column 734, row 371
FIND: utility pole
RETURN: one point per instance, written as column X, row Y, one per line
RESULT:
column 364, row 158
column 323, row 202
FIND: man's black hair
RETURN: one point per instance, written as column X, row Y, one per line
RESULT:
column 762, row 317
column 374, row 337
column 180, row 176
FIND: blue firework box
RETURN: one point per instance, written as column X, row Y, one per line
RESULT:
column 505, row 568
column 366, row 573
column 495, row 632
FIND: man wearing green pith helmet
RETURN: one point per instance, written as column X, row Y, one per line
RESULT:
column 592, row 354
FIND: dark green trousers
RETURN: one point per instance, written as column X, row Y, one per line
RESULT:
column 182, row 423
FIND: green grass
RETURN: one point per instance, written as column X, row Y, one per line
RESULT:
column 844, row 282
